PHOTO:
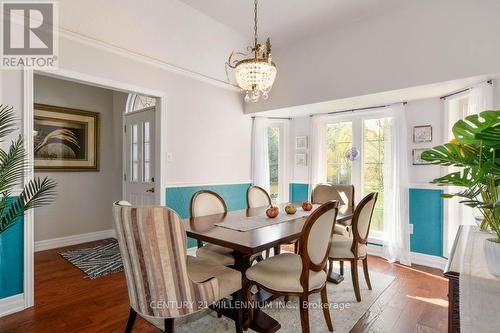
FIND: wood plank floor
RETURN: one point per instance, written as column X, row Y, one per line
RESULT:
column 68, row 302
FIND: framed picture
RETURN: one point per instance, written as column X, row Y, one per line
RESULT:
column 301, row 159
column 417, row 159
column 65, row 139
column 301, row 142
column 422, row 133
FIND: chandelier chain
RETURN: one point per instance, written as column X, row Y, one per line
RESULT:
column 255, row 24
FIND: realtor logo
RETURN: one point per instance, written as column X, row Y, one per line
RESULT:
column 28, row 32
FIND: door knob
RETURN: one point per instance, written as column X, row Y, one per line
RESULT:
column 152, row 190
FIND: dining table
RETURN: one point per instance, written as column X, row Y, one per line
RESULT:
column 263, row 234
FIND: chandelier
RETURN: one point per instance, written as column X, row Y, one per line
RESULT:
column 255, row 73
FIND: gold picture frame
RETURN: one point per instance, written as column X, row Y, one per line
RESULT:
column 65, row 139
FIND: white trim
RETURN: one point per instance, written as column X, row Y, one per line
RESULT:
column 55, row 243
column 416, row 258
column 146, row 59
column 11, row 304
column 425, row 186
column 29, row 278
column 236, row 182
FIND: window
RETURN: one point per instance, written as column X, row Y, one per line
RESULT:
column 137, row 102
column 369, row 133
column 339, row 139
column 135, row 153
column 146, row 173
column 376, row 132
column 273, row 141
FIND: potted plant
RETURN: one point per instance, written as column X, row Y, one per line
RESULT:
column 476, row 151
column 37, row 192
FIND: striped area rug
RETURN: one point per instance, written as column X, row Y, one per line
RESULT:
column 98, row 260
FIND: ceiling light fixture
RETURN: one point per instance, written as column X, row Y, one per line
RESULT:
column 255, row 75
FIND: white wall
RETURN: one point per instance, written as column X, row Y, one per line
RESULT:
column 299, row 127
column 83, row 198
column 420, row 42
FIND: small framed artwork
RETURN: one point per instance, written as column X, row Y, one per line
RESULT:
column 301, row 159
column 301, row 142
column 422, row 133
column 65, row 139
column 417, row 156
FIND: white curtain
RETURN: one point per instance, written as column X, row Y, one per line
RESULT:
column 317, row 170
column 260, row 153
column 480, row 98
column 396, row 243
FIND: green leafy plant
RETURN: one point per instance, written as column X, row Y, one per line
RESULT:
column 36, row 193
column 476, row 151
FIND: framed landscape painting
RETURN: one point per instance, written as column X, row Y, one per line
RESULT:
column 65, row 139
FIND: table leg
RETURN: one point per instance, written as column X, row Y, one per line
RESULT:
column 261, row 322
column 335, row 277
column 277, row 250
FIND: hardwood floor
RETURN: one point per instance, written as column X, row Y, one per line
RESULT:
column 68, row 302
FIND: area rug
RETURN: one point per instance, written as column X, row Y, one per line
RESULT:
column 98, row 260
column 344, row 310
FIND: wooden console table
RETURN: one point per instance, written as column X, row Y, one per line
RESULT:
column 452, row 272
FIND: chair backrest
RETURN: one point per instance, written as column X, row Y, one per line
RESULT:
column 152, row 243
column 362, row 217
column 206, row 202
column 326, row 192
column 315, row 239
column 257, row 197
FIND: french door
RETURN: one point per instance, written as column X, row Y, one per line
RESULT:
column 139, row 139
column 369, row 135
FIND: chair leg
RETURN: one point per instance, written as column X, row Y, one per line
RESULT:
column 199, row 243
column 131, row 320
column 330, row 266
column 296, row 247
column 249, row 297
column 355, row 280
column 326, row 308
column 268, row 253
column 304, row 313
column 367, row 276
column 169, row 325
column 238, row 322
column 341, row 267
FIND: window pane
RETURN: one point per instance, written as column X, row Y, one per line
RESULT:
column 135, row 153
column 273, row 139
column 339, row 140
column 146, row 152
column 376, row 133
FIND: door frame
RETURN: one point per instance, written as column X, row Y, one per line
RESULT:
column 27, row 123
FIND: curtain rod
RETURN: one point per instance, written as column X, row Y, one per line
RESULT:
column 461, row 91
column 357, row 109
column 277, row 118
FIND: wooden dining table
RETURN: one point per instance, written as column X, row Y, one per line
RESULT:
column 246, row 243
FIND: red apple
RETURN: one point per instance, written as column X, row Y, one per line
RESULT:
column 272, row 212
column 307, row 206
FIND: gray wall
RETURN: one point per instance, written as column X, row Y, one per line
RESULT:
column 84, row 199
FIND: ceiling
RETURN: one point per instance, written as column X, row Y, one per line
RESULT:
column 286, row 21
column 434, row 90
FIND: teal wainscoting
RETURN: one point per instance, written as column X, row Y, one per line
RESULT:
column 178, row 198
column 12, row 260
column 426, row 215
column 298, row 192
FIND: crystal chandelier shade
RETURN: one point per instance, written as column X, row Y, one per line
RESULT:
column 254, row 75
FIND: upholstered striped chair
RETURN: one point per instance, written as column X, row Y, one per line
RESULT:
column 162, row 281
column 345, row 248
column 342, row 193
column 205, row 203
column 302, row 274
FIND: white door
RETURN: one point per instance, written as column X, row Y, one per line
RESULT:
column 139, row 154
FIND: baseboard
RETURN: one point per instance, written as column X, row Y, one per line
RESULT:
column 416, row 258
column 73, row 240
column 11, row 304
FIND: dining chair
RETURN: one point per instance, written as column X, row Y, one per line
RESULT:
column 353, row 249
column 162, row 281
column 203, row 203
column 301, row 274
column 342, row 193
column 258, row 197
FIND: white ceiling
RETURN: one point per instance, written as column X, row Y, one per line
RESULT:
column 286, row 21
column 434, row 90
